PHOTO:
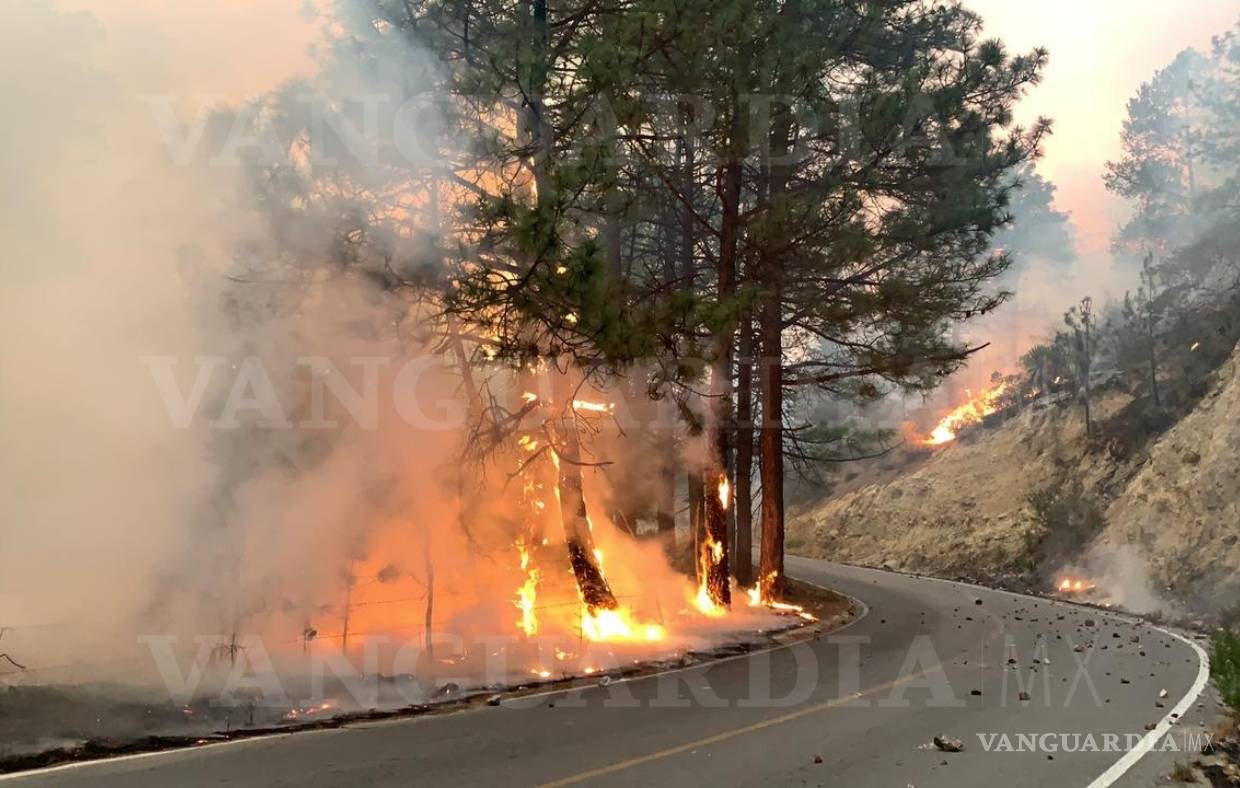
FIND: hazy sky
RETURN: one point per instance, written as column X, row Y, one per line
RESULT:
column 1101, row 50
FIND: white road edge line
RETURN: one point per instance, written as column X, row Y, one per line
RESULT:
column 1147, row 743
column 1152, row 738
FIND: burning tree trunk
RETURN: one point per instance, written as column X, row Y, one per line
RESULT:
column 713, row 560
column 713, row 550
column 578, row 537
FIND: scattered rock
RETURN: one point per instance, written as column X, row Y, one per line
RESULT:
column 817, row 759
column 1024, row 695
column 948, row 744
column 494, row 700
column 975, row 692
column 449, row 690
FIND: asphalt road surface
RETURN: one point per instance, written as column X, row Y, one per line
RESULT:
column 859, row 707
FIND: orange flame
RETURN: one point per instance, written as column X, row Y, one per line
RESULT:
column 710, row 554
column 1070, row 585
column 527, row 593
column 617, row 625
column 964, row 415
column 757, row 599
column 585, row 406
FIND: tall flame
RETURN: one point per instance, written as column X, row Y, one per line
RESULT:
column 710, row 553
column 527, row 593
column 971, row 412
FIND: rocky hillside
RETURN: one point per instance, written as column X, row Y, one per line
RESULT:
column 1182, row 509
column 1025, row 499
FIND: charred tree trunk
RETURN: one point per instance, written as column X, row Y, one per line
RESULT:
column 770, row 337
column 743, row 558
column 697, row 503
column 771, row 443
column 429, row 623
column 578, row 537
column 714, row 560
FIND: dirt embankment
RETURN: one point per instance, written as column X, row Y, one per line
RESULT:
column 1026, row 498
column 1182, row 509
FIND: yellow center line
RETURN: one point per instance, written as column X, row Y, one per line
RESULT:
column 629, row 763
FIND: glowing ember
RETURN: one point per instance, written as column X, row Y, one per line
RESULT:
column 528, row 443
column 1074, row 585
column 540, row 673
column 725, row 492
column 585, row 406
column 527, row 593
column 964, row 415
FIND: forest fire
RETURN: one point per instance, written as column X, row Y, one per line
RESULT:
column 971, row 412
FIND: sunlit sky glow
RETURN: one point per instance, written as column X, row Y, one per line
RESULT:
column 1101, row 51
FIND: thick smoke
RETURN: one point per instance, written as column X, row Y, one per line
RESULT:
column 215, row 428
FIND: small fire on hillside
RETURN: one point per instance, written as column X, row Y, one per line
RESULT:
column 976, row 408
column 1070, row 586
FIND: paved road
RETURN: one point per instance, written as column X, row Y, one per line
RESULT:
column 857, row 708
